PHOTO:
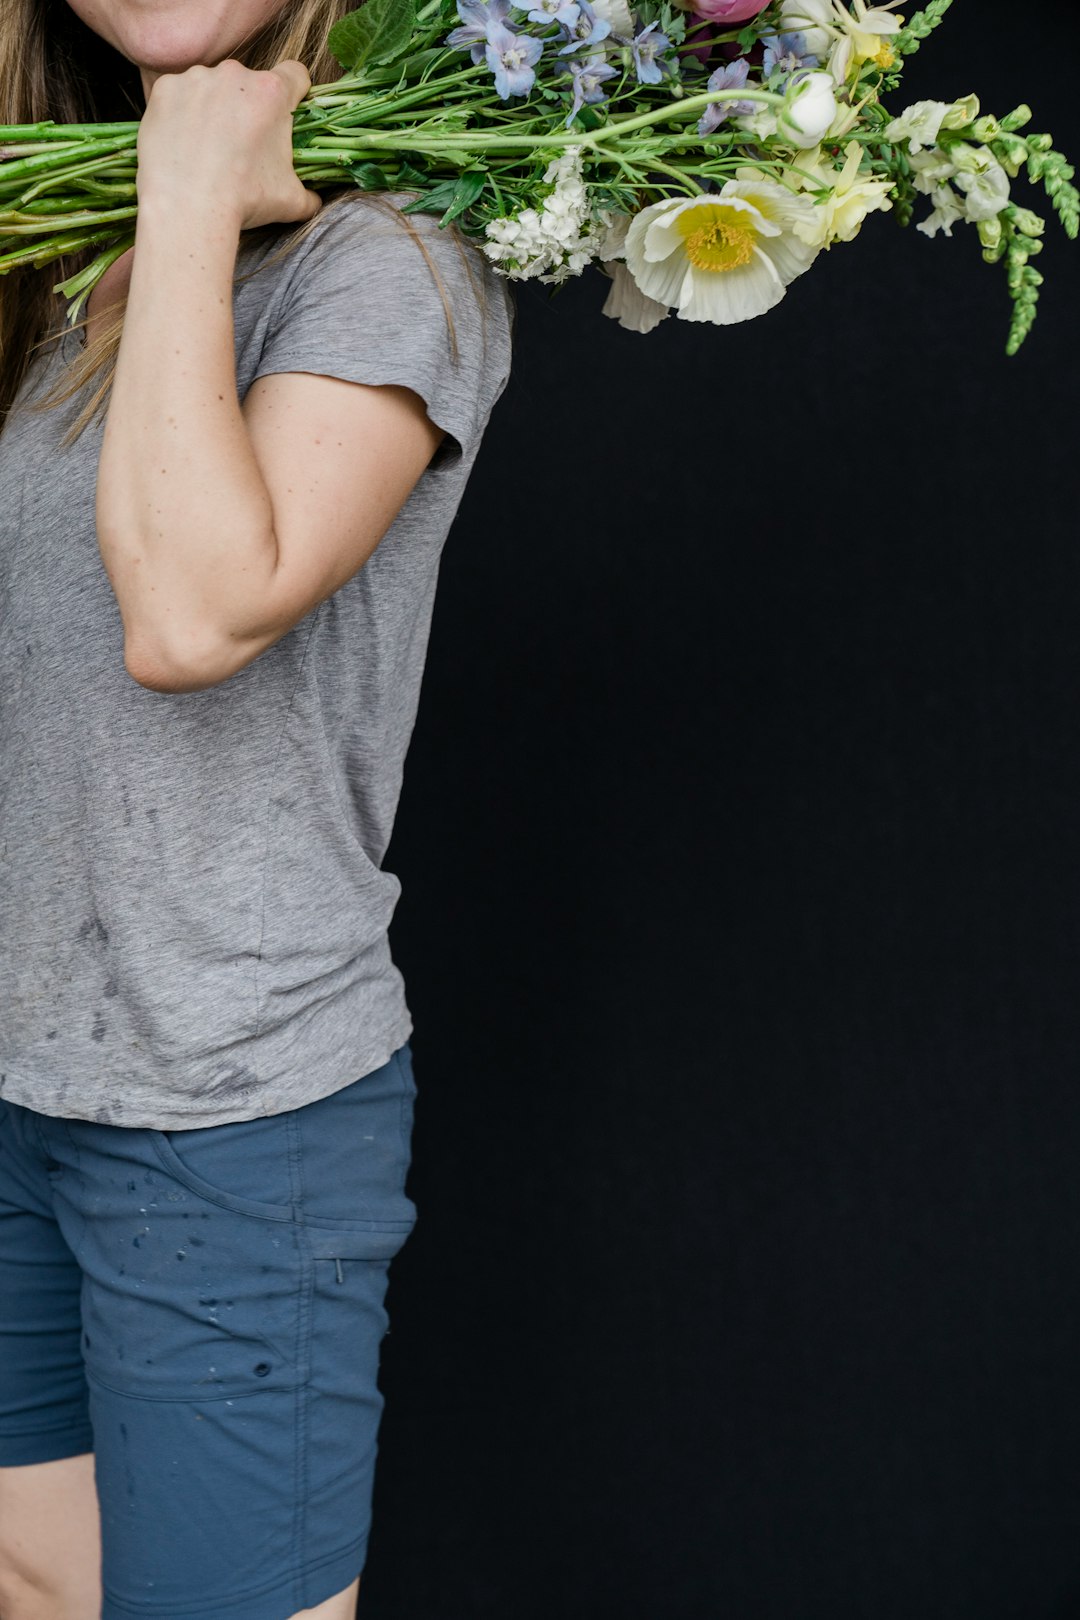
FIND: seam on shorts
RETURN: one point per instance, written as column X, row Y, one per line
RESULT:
column 158, row 1396
column 304, row 1320
column 291, row 1581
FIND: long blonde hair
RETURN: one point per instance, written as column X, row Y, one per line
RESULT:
column 52, row 66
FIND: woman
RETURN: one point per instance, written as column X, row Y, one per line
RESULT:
column 214, row 605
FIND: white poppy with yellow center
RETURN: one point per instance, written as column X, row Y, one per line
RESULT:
column 725, row 256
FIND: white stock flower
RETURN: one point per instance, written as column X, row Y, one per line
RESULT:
column 554, row 242
column 723, row 256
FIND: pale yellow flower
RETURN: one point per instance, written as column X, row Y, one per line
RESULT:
column 839, row 217
column 852, row 37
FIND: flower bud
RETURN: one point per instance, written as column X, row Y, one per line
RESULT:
column 810, row 109
column 1029, row 223
column 990, row 232
column 985, row 129
column 962, row 112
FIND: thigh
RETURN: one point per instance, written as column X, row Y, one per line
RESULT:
column 233, row 1303
column 44, row 1411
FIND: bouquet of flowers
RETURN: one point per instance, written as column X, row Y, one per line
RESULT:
column 702, row 153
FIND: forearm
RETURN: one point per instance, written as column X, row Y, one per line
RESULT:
column 184, row 519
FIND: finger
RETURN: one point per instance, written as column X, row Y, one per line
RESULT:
column 295, row 77
column 314, row 203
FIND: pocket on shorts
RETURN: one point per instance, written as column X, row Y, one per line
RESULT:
column 235, row 1164
column 335, row 1167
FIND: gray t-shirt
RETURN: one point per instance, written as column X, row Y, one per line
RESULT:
column 193, row 911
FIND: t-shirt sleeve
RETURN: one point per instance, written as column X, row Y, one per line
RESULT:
column 362, row 300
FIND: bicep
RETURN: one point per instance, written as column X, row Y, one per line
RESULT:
column 339, row 460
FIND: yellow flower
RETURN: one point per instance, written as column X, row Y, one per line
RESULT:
column 724, row 256
column 839, row 217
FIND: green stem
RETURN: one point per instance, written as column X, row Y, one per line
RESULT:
column 23, row 168
column 679, row 174
column 48, row 130
column 37, row 225
column 481, row 141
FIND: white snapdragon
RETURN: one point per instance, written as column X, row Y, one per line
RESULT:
column 930, row 169
column 555, row 241
column 986, row 187
column 920, row 124
column 948, row 209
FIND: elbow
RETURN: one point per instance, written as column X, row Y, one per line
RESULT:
column 159, row 668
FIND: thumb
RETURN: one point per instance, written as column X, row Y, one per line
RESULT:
column 311, row 203
column 295, row 77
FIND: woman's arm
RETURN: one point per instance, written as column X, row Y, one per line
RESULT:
column 220, row 527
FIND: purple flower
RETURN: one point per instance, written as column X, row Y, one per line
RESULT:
column 645, row 53
column 479, row 17
column 732, row 76
column 560, row 11
column 587, row 80
column 786, row 53
column 510, row 57
column 587, row 29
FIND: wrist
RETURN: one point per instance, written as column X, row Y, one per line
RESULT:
column 191, row 216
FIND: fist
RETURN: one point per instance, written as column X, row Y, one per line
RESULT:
column 222, row 136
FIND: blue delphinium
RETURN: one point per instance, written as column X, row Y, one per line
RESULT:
column 560, row 11
column 646, row 51
column 732, row 76
column 510, row 57
column 786, row 53
column 586, row 29
column 478, row 17
column 588, row 76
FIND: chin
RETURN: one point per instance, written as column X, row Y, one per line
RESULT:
column 170, row 47
column 167, row 36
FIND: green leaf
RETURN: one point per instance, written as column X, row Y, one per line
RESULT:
column 369, row 176
column 466, row 190
column 411, row 179
column 410, row 69
column 588, row 117
column 375, row 32
column 450, row 197
column 434, row 201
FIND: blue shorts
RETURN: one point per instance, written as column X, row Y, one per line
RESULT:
column 203, row 1309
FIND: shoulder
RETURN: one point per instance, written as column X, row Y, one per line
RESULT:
column 366, row 241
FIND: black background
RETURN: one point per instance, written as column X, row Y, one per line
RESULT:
column 741, row 931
